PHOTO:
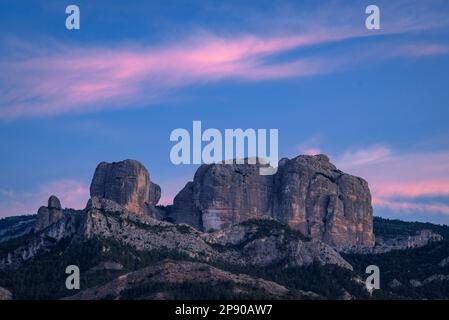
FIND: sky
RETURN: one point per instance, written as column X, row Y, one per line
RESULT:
column 375, row 101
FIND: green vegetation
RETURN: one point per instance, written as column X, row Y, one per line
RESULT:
column 268, row 227
column 44, row 277
column 13, row 244
column 392, row 228
column 405, row 265
column 328, row 281
column 194, row 291
column 8, row 222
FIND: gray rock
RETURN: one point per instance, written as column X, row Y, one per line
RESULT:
column 258, row 242
column 14, row 227
column 106, row 265
column 43, row 241
column 255, row 242
column 415, row 283
column 436, row 278
column 47, row 216
column 308, row 193
column 443, row 263
column 54, row 203
column 127, row 183
column 401, row 242
column 183, row 272
column 5, row 294
column 394, row 283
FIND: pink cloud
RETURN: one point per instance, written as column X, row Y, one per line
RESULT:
column 165, row 200
column 77, row 79
column 422, row 49
column 71, row 193
column 71, row 79
column 427, row 188
column 401, row 181
column 399, row 206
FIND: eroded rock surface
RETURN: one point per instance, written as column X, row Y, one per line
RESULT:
column 308, row 193
column 127, row 183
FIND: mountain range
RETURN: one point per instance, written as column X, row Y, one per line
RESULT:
column 306, row 232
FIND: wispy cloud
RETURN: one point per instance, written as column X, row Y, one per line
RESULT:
column 407, row 206
column 401, row 181
column 81, row 79
column 60, row 79
column 71, row 193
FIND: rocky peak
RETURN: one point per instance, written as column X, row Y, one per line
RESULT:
column 308, row 193
column 46, row 216
column 128, row 184
column 54, row 203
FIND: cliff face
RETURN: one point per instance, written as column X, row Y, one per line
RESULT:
column 127, row 183
column 255, row 242
column 46, row 216
column 308, row 193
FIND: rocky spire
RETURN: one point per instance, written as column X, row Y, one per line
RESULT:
column 46, row 216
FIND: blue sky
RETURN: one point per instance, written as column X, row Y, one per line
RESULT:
column 375, row 101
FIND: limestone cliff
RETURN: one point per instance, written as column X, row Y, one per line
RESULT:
column 308, row 193
column 128, row 184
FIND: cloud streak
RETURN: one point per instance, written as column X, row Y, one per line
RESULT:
column 71, row 193
column 78, row 79
column 402, row 181
column 83, row 79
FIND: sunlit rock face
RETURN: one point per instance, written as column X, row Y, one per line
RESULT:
column 308, row 193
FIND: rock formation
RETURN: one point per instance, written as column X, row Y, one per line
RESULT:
column 308, row 193
column 399, row 242
column 5, row 294
column 46, row 216
column 175, row 273
column 254, row 242
column 128, row 184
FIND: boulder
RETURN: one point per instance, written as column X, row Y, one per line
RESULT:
column 128, row 184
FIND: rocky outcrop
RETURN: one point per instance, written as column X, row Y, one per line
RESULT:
column 434, row 278
column 43, row 241
column 308, row 193
column 47, row 216
column 400, row 242
column 108, row 220
column 14, row 227
column 5, row 294
column 443, row 263
column 165, row 276
column 254, row 242
column 422, row 238
column 127, row 183
column 104, row 266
